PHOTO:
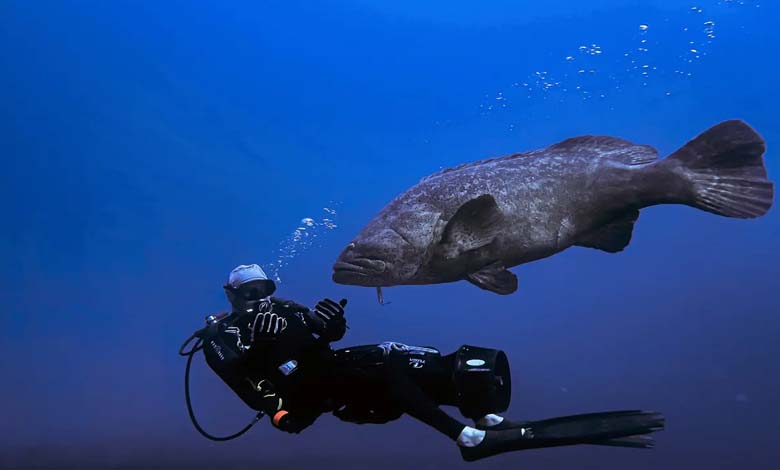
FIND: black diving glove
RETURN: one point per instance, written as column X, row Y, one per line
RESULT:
column 327, row 319
column 267, row 327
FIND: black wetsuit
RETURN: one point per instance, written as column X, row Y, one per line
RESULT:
column 300, row 374
column 294, row 376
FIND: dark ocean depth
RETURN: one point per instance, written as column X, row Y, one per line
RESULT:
column 149, row 147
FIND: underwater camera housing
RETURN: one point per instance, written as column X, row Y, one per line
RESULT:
column 483, row 383
column 475, row 380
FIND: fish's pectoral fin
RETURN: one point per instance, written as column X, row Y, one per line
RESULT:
column 475, row 225
column 494, row 278
column 613, row 236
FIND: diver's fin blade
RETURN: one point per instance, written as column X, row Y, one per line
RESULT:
column 494, row 278
column 609, row 428
column 594, row 427
column 475, row 225
column 612, row 237
column 642, row 441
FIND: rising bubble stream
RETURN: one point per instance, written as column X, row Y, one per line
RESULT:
column 307, row 234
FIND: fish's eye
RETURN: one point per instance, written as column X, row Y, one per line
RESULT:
column 351, row 246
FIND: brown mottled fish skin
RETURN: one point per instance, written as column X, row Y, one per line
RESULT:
column 473, row 221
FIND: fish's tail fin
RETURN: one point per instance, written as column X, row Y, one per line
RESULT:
column 723, row 171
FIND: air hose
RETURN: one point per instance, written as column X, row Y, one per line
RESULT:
column 190, row 354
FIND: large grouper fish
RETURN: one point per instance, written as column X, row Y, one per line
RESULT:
column 474, row 221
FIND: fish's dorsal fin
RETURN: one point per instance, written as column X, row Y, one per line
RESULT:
column 595, row 146
column 475, row 224
column 613, row 236
column 472, row 164
column 607, row 148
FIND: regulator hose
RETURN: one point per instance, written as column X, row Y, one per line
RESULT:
column 190, row 354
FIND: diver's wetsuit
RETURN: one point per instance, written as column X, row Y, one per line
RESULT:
column 276, row 355
column 294, row 376
column 297, row 376
column 378, row 383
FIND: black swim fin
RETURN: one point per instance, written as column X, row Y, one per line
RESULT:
column 614, row 428
column 642, row 441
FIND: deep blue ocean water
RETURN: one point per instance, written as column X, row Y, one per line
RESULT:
column 149, row 147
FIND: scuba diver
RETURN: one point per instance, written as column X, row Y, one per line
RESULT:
column 276, row 356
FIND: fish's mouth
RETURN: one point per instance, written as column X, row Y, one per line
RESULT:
column 358, row 271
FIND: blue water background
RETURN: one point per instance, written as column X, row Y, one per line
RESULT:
column 149, row 147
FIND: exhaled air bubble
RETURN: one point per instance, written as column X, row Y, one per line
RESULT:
column 300, row 240
column 689, row 32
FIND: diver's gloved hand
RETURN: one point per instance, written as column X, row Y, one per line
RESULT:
column 267, row 327
column 329, row 310
column 327, row 319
